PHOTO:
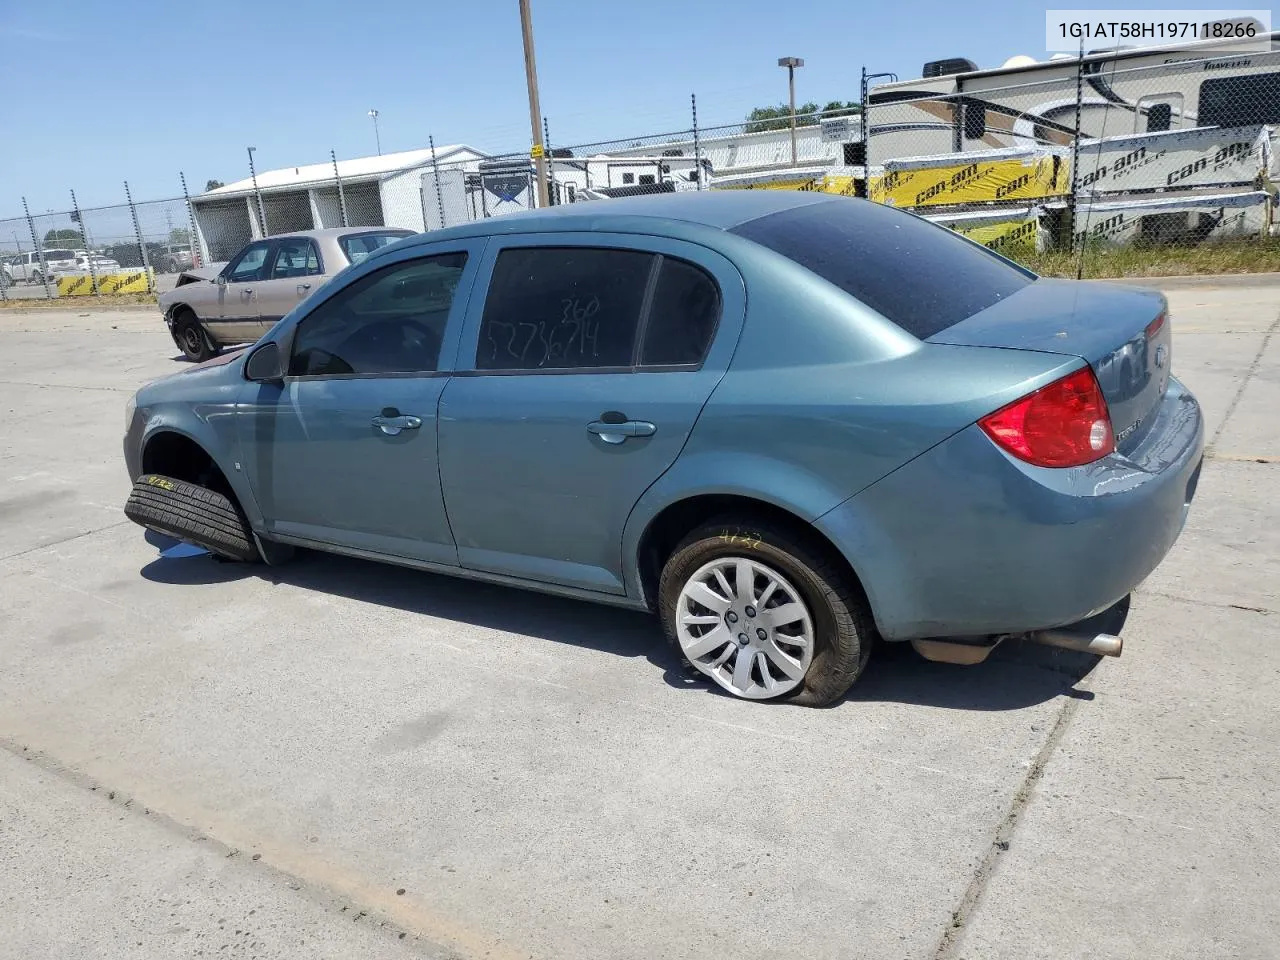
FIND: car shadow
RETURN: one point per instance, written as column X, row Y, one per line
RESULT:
column 1015, row 676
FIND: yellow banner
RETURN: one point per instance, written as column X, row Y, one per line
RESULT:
column 134, row 281
column 826, row 184
column 1004, row 237
column 976, row 181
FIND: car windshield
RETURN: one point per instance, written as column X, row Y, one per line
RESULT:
column 59, row 255
column 358, row 246
column 923, row 277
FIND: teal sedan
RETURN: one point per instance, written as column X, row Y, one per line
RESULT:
column 789, row 424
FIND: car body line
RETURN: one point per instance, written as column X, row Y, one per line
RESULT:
column 463, row 573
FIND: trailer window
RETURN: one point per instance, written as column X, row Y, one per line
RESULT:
column 921, row 276
column 1240, row 101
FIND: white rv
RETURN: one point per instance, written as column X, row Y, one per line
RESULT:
column 957, row 108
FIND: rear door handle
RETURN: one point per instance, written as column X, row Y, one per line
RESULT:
column 393, row 425
column 619, row 432
column 303, row 288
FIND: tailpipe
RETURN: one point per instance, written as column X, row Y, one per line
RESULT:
column 1102, row 644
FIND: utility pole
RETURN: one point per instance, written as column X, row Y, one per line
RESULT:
column 377, row 137
column 535, row 109
column 791, row 63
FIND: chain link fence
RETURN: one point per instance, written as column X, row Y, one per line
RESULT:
column 1086, row 152
column 1073, row 153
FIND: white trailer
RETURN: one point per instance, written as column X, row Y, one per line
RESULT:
column 958, row 108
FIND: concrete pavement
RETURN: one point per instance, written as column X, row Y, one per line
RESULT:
column 539, row 781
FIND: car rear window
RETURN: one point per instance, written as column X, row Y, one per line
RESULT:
column 922, row 277
column 357, row 246
column 59, row 255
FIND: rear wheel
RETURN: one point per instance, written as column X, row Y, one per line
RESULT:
column 191, row 338
column 763, row 614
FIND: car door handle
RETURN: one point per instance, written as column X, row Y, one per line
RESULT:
column 246, row 294
column 393, row 425
column 619, row 432
column 303, row 288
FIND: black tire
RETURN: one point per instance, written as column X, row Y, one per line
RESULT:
column 191, row 513
column 843, row 626
column 191, row 337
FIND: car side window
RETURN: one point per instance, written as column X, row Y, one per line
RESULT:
column 682, row 316
column 557, row 308
column 390, row 321
column 295, row 257
column 251, row 263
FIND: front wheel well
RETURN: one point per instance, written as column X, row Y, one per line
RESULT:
column 178, row 456
column 676, row 521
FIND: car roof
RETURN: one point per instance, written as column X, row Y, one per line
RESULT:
column 715, row 209
column 338, row 232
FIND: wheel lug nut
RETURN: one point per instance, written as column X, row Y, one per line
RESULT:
column 751, row 611
column 761, row 634
column 742, row 639
column 731, row 617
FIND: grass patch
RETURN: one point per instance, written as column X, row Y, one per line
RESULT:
column 78, row 303
column 1255, row 255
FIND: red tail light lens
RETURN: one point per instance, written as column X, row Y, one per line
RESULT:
column 1065, row 424
column 1155, row 326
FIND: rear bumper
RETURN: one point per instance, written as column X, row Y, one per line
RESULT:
column 966, row 540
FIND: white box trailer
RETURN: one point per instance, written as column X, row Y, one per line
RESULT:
column 957, row 107
column 1185, row 219
column 1175, row 160
column 492, row 188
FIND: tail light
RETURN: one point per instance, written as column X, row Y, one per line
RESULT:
column 1065, row 424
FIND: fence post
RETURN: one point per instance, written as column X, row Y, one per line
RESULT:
column 1075, row 163
column 551, row 164
column 77, row 218
column 342, row 194
column 435, row 168
column 262, row 211
column 39, row 249
column 137, row 232
column 197, row 254
column 697, row 146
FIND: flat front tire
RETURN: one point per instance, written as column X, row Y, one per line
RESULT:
column 193, row 514
column 764, row 615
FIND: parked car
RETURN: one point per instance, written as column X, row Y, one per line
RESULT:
column 172, row 258
column 27, row 266
column 96, row 263
column 208, row 310
column 788, row 423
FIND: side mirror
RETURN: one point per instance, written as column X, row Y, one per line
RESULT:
column 263, row 365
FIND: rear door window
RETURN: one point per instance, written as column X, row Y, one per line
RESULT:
column 922, row 277
column 682, row 315
column 563, row 308
column 357, row 246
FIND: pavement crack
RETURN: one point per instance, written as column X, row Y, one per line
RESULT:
column 63, row 386
column 57, row 543
column 1211, row 447
column 971, row 899
column 314, row 874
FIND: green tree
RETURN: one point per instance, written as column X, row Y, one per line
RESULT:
column 64, row 237
column 179, row 235
column 807, row 114
column 213, row 185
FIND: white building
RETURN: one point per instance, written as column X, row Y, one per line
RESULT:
column 377, row 191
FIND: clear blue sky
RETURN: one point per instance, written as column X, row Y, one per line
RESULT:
column 99, row 92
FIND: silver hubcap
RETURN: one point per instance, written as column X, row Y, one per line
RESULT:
column 745, row 626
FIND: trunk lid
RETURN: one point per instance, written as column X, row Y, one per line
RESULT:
column 1113, row 328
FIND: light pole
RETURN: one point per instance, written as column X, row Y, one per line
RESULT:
column 535, row 109
column 791, row 63
column 262, row 212
column 377, row 138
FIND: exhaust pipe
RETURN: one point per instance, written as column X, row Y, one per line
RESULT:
column 1103, row 644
